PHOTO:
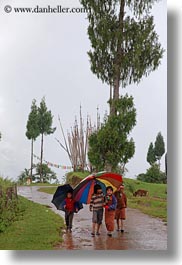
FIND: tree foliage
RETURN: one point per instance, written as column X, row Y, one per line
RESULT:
column 156, row 150
column 159, row 147
column 110, row 146
column 151, row 158
column 22, row 178
column 153, row 175
column 32, row 128
column 47, row 174
column 39, row 123
column 45, row 120
column 124, row 44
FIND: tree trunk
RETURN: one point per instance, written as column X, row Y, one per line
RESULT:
column 118, row 58
column 31, row 167
column 41, row 157
column 110, row 98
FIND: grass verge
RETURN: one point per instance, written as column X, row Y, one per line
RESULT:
column 49, row 190
column 36, row 228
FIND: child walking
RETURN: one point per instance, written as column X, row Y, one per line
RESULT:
column 121, row 206
column 70, row 207
column 96, row 206
column 110, row 206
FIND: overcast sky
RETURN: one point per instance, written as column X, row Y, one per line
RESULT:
column 46, row 55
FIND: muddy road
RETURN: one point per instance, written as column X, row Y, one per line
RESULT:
column 142, row 232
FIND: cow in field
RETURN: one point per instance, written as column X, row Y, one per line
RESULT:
column 140, row 193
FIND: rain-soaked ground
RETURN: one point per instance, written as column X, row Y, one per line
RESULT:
column 141, row 231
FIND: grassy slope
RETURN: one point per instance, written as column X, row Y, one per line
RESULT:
column 37, row 228
column 155, row 204
column 78, row 175
column 81, row 175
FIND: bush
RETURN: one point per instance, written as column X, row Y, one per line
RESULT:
column 153, row 175
column 73, row 178
column 8, row 212
column 9, row 206
column 141, row 177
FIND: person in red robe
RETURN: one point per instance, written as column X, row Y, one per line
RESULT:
column 110, row 207
column 120, row 214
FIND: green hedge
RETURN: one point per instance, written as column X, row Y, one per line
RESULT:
column 9, row 207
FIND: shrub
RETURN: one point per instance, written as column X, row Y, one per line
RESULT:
column 153, row 175
column 9, row 206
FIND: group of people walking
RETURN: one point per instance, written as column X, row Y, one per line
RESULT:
column 113, row 204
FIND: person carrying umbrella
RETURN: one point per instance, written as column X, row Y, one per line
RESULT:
column 96, row 206
column 70, row 206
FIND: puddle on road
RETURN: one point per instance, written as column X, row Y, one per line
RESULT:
column 141, row 232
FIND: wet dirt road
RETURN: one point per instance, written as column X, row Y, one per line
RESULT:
column 142, row 232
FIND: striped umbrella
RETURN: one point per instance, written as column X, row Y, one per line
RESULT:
column 84, row 190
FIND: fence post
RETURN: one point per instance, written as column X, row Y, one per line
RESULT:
column 15, row 191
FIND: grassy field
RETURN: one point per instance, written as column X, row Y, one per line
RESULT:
column 37, row 228
column 42, row 184
column 50, row 190
column 155, row 204
column 81, row 175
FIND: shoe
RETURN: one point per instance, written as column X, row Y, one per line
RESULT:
column 122, row 231
column 98, row 234
column 109, row 234
column 93, row 234
column 118, row 229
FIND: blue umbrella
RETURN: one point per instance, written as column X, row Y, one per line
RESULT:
column 60, row 195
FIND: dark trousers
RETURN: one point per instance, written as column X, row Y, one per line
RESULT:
column 69, row 219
